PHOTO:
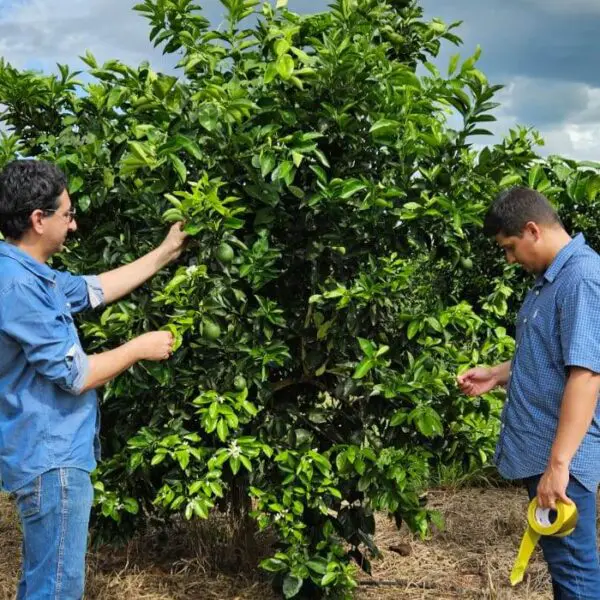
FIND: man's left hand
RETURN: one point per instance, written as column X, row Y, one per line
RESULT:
column 553, row 487
column 174, row 243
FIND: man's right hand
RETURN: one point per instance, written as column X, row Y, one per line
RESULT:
column 155, row 345
column 477, row 381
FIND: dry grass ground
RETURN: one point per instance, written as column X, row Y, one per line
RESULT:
column 471, row 558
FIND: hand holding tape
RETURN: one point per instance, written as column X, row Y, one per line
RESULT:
column 542, row 521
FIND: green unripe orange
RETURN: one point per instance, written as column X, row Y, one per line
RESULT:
column 210, row 330
column 239, row 383
column 225, row 253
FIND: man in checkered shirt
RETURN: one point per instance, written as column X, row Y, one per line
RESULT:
column 550, row 432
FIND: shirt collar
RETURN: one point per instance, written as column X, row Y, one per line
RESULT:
column 37, row 268
column 560, row 260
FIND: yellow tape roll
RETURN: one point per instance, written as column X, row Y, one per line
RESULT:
column 539, row 523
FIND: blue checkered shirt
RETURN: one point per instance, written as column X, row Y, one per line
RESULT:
column 558, row 326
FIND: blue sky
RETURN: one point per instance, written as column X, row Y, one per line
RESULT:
column 543, row 51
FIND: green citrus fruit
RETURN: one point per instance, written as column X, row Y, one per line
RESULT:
column 239, row 383
column 210, row 330
column 467, row 263
column 225, row 253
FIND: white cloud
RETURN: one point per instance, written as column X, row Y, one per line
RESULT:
column 567, row 114
column 39, row 33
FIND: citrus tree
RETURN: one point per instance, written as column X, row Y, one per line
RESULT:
column 335, row 281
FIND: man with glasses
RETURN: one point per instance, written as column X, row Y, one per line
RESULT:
column 48, row 407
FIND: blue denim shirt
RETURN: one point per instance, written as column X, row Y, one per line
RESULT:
column 45, row 420
column 558, row 327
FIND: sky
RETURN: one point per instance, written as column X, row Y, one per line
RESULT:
column 541, row 50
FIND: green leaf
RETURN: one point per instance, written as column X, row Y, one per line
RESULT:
column 249, row 408
column 367, row 347
column 75, row 184
column 299, row 193
column 89, row 60
column 351, row 187
column 222, row 430
column 267, row 163
column 157, row 459
column 454, row 59
column 183, row 458
column 322, row 158
column 509, row 180
column 273, row 565
column 363, row 368
column 292, row 584
column 384, row 127
column 413, row 329
column 190, row 147
column 246, row 462
column 324, row 329
column 208, row 116
column 428, row 421
column 140, row 150
column 318, row 565
column 234, row 464
column 84, row 203
column 179, row 167
column 270, row 72
column 398, row 419
column 285, row 66
column 131, row 506
column 593, row 187
column 172, row 215
column 281, row 46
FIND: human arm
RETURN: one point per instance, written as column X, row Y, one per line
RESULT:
column 103, row 367
column 576, row 413
column 480, row 380
column 123, row 280
column 46, row 334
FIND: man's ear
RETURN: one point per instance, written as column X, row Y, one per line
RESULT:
column 37, row 221
column 533, row 230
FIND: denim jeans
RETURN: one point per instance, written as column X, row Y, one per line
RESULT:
column 55, row 511
column 573, row 560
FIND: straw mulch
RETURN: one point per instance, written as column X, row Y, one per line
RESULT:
column 470, row 558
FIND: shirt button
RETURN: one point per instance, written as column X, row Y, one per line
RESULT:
column 537, row 292
column 68, row 305
column 525, row 320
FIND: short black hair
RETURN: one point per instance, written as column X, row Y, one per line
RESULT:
column 27, row 185
column 514, row 208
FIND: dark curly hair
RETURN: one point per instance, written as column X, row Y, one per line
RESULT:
column 25, row 186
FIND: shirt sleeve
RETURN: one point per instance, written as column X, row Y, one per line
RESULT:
column 580, row 326
column 47, row 336
column 82, row 292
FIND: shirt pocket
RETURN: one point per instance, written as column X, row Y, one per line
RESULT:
column 66, row 317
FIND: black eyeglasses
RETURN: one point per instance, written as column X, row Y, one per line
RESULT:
column 70, row 214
